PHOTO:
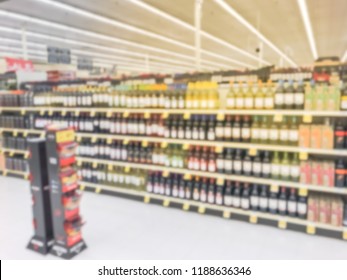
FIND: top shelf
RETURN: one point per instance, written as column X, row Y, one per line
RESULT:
column 339, row 114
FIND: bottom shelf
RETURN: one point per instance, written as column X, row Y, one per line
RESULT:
column 14, row 173
column 281, row 222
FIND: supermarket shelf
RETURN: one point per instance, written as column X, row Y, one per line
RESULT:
column 226, row 212
column 178, row 111
column 25, row 132
column 249, row 146
column 14, row 152
column 6, row 172
column 239, row 178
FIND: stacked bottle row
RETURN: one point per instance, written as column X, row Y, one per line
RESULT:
column 246, row 196
column 15, row 163
column 16, row 100
column 275, row 165
column 262, row 130
column 16, row 143
column 115, row 176
column 296, row 74
column 13, row 121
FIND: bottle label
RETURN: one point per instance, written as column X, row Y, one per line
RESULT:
column 249, row 102
column 273, row 203
column 149, row 187
column 237, row 165
column 284, row 135
column 211, row 136
column 294, row 135
column 285, row 169
column 279, row 98
column 181, row 193
column 274, row 134
column 263, row 202
column 219, row 199
column 228, row 165
column 247, row 166
column 230, row 102
column 292, row 206
column 188, row 134
column 259, row 102
column 282, row 205
column 236, row 132
column 228, row 200
column 263, row 134
column 203, row 196
column 245, row 133
column 275, row 169
column 239, row 102
column 197, row 164
column 211, row 166
column 269, row 102
column 203, row 165
column 219, row 132
column 196, row 195
column 344, row 104
column 220, row 164
column 255, row 133
column 302, row 208
column 236, row 201
column 294, row 171
column 227, row 132
column 256, row 167
column 210, row 198
column 255, row 201
column 245, row 203
column 195, row 135
column 299, row 98
column 180, row 134
column 289, row 99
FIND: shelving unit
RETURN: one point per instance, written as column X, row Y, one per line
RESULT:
column 15, row 152
column 24, row 175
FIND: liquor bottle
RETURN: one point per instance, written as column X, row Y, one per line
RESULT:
column 275, row 166
column 211, row 135
column 236, row 196
column 340, row 174
column 255, row 130
column 212, row 160
column 293, row 132
column 211, row 194
column 289, row 96
column 292, row 203
column 259, row 98
column 248, row 96
column 196, row 189
column 204, row 160
column 188, row 189
column 237, row 162
column 254, row 198
column 219, row 193
column 273, row 200
column 220, row 128
column 174, row 128
column 339, row 136
column 264, row 130
column 279, row 96
column 195, row 94
column 299, row 97
column 228, row 161
column 180, row 129
column 302, row 204
column 245, row 198
column 204, row 97
column 181, row 188
column 236, row 129
column 257, row 165
column 294, row 168
column 189, row 96
column 231, row 98
column 188, row 129
column 284, row 132
column 246, row 129
column 195, row 130
column 239, row 96
column 285, row 167
column 175, row 186
column 247, row 165
column 196, row 157
column 228, row 194
column 203, row 190
column 227, row 129
column 220, row 162
column 263, row 199
column 282, row 201
column 274, row 133
column 269, row 96
column 202, row 128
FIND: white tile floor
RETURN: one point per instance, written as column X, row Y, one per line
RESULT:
column 124, row 229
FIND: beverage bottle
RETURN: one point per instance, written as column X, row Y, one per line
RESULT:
column 255, row 130
column 264, row 130
column 181, row 188
column 343, row 102
column 264, row 199
column 279, row 95
column 180, row 129
column 274, row 133
column 293, row 132
column 228, row 162
column 220, row 162
column 246, row 129
column 259, row 98
column 189, row 96
column 175, row 186
column 236, row 196
column 197, row 158
column 212, row 160
column 237, row 163
column 219, row 193
column 284, row 132
column 339, row 136
column 174, row 128
column 196, row 189
column 231, row 97
column 203, row 190
column 202, row 128
column 247, row 165
column 289, row 96
column 211, row 191
column 302, row 204
column 282, row 202
column 236, row 129
column 275, row 166
column 220, row 128
column 195, row 130
column 245, row 199
column 269, row 96
column 295, row 168
column 195, row 94
column 254, row 198
column 248, row 96
column 273, row 201
column 239, row 96
column 188, row 189
column 299, row 96
column 190, row 161
column 204, row 96
column 285, row 167
column 204, row 159
column 257, row 165
column 292, row 203
column 181, row 97
column 340, row 174
column 162, row 186
column 228, row 194
column 227, row 129
column 188, row 129
column 211, row 135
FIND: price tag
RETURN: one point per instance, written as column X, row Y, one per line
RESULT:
column 63, row 113
column 78, row 139
column 146, row 199
column 77, row 113
column 26, row 155
column 11, row 154
column 4, row 172
column 79, row 163
column 126, row 142
column 95, row 164
column 98, row 190
column 110, row 167
column 165, row 174
column 42, row 135
column 109, row 141
column 220, row 181
column 15, row 133
column 201, row 209
column 42, row 112
column 226, row 214
column 164, row 145
column 274, row 188
column 185, row 206
column 50, row 112
column 146, row 115
column 92, row 113
column 166, row 203
column 252, row 152
column 219, row 149
column 186, row 116
column 303, row 156
column 93, row 139
column 22, row 112
column 220, row 117
column 144, row 144
column 282, row 224
column 26, row 176
column 253, row 219
column 109, row 114
column 125, row 114
column 303, row 192
column 185, row 146
column 127, row 169
column 278, row 118
column 344, row 235
column 311, row 229
column 165, row 115
column 187, row 177
column 307, row 119
column 82, row 187
column 25, row 134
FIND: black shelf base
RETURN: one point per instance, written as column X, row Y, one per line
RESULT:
column 68, row 253
column 40, row 245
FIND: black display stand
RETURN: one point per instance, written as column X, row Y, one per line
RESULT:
column 42, row 240
column 66, row 245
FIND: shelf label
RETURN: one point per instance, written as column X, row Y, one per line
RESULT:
column 282, row 224
column 22, row 112
column 146, row 115
column 278, row 118
column 79, row 163
column 125, row 114
column 82, row 187
column 26, row 155
column 166, row 174
column 253, row 219
column 50, row 113
column 127, row 169
column 144, row 144
column 11, row 154
column 63, row 113
column 110, row 167
column 303, row 156
column 226, row 214
column 220, row 117
column 146, row 199
column 252, row 152
column 78, row 139
column 98, row 190
column 109, row 141
column 219, row 149
column 185, row 206
column 42, row 112
column 77, row 113
column 186, row 116
column 109, row 114
column 95, row 164
column 274, row 188
column 93, row 139
column 307, row 119
column 186, row 146
column 165, row 115
column 15, row 133
column 311, row 229
column 220, row 181
column 92, row 113
column 4, row 172
column 42, row 135
column 26, row 176
column 126, row 142
column 166, row 202
column 344, row 235
column 65, row 136
column 303, row 192
column 187, row 177
column 164, row 145
column 201, row 209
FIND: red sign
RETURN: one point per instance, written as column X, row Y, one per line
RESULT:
column 14, row 64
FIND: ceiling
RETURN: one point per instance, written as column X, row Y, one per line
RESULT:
column 279, row 21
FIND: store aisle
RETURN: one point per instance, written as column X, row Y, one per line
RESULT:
column 123, row 229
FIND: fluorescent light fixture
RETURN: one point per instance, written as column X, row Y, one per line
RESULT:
column 306, row 18
column 250, row 27
column 128, row 27
column 190, row 27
